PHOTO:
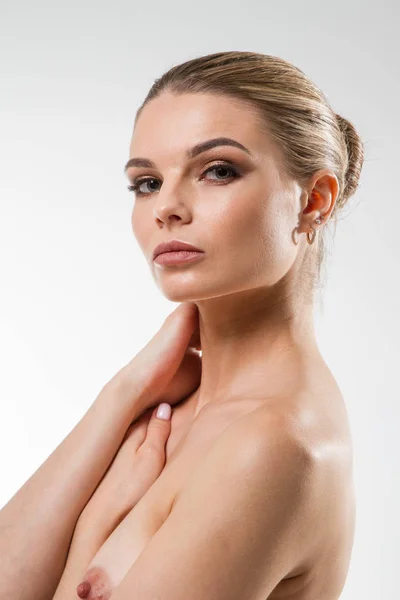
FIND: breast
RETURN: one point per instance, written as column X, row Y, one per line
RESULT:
column 186, row 451
column 123, row 547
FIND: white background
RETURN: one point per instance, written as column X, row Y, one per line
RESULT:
column 77, row 298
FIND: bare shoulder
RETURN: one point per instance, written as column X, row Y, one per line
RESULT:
column 268, row 448
column 296, row 461
column 284, row 451
column 270, row 430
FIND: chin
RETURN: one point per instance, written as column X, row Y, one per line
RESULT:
column 179, row 297
column 184, row 293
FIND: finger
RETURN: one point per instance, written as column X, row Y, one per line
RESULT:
column 160, row 358
column 185, row 381
column 136, row 432
column 195, row 341
column 158, row 430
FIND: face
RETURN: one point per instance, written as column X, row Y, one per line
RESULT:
column 237, row 206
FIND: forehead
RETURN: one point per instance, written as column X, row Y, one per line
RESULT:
column 172, row 123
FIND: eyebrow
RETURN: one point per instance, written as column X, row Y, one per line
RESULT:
column 191, row 153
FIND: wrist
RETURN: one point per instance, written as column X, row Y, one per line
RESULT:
column 126, row 390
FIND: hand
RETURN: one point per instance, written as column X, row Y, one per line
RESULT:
column 138, row 463
column 168, row 381
column 168, row 368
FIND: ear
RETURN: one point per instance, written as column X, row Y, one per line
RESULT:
column 320, row 195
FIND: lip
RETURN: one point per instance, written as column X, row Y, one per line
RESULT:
column 169, row 259
column 174, row 246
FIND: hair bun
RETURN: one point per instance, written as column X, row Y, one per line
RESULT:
column 355, row 153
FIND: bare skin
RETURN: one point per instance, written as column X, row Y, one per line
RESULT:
column 323, row 429
column 259, row 350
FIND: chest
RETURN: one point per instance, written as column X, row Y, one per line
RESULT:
column 186, row 448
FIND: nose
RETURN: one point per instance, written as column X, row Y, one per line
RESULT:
column 169, row 210
column 170, row 214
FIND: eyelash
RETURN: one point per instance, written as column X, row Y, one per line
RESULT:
column 134, row 187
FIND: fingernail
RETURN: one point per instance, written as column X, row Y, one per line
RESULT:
column 164, row 411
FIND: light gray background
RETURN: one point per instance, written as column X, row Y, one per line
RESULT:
column 77, row 299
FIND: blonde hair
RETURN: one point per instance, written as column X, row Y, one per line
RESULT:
column 292, row 109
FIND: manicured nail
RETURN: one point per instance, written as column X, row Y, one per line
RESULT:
column 164, row 411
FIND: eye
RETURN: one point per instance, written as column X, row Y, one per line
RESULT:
column 135, row 187
column 224, row 167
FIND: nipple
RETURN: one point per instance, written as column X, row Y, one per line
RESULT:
column 83, row 589
column 96, row 584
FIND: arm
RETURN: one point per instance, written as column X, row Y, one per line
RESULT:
column 239, row 527
column 137, row 465
column 37, row 523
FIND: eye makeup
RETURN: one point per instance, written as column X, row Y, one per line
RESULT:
column 222, row 164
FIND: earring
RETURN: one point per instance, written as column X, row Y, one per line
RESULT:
column 310, row 235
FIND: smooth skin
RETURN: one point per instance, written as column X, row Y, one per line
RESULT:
column 258, row 342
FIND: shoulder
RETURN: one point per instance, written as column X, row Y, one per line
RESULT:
column 266, row 450
column 269, row 434
column 259, row 473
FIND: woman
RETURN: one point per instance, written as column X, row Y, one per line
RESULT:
column 251, row 496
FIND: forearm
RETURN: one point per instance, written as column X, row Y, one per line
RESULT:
column 37, row 524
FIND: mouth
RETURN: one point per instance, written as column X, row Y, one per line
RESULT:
column 178, row 257
column 174, row 246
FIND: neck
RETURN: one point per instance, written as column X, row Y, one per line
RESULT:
column 248, row 339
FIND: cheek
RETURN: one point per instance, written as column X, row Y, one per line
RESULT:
column 276, row 242
column 242, row 225
column 139, row 228
column 254, row 232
